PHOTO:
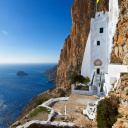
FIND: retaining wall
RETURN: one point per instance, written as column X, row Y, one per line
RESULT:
column 81, row 92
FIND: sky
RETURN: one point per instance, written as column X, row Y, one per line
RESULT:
column 33, row 31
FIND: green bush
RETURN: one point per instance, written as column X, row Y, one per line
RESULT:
column 40, row 101
column 79, row 79
column 41, row 109
column 87, row 80
column 82, row 88
column 107, row 111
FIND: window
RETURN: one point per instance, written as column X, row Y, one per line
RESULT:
column 98, row 43
column 98, row 63
column 101, row 30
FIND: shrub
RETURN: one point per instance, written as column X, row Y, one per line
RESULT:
column 87, row 80
column 41, row 109
column 79, row 79
column 82, row 88
column 107, row 110
column 40, row 101
column 62, row 93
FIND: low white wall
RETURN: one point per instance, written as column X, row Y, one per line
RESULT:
column 81, row 92
column 46, row 104
column 46, row 122
column 107, row 88
column 109, row 79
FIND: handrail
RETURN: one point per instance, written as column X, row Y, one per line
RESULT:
column 92, row 79
column 100, row 79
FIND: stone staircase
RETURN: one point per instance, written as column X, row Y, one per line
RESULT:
column 95, row 84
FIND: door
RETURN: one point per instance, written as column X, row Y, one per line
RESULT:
column 98, row 71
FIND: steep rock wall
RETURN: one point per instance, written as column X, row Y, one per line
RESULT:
column 71, row 56
column 120, row 49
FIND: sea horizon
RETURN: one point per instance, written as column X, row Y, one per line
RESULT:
column 17, row 91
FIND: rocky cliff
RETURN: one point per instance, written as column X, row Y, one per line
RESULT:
column 51, row 73
column 120, row 41
column 73, row 50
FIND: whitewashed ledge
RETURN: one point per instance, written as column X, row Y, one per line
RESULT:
column 46, row 104
column 46, row 122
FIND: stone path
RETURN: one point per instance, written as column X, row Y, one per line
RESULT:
column 60, row 107
column 77, row 103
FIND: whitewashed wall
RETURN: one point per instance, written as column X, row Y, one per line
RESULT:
column 92, row 51
column 114, row 70
column 81, row 92
column 85, row 70
column 100, row 51
column 108, row 21
column 113, row 20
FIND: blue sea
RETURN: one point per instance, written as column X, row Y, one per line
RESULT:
column 17, row 91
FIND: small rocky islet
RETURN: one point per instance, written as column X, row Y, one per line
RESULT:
column 21, row 73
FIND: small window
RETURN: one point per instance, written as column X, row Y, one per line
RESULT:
column 98, row 43
column 101, row 30
column 99, row 15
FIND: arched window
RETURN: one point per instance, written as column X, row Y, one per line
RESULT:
column 98, row 62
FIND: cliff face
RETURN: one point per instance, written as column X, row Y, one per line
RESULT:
column 120, row 49
column 51, row 73
column 73, row 50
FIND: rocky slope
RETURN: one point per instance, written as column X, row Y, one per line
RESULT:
column 121, row 91
column 51, row 73
column 120, row 49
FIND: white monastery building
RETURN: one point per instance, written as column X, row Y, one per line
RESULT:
column 96, row 60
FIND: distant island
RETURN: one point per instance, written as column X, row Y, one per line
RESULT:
column 21, row 73
column 51, row 73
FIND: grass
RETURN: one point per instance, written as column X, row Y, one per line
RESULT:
column 82, row 88
column 41, row 109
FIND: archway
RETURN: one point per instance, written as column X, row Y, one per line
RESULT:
column 98, row 62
